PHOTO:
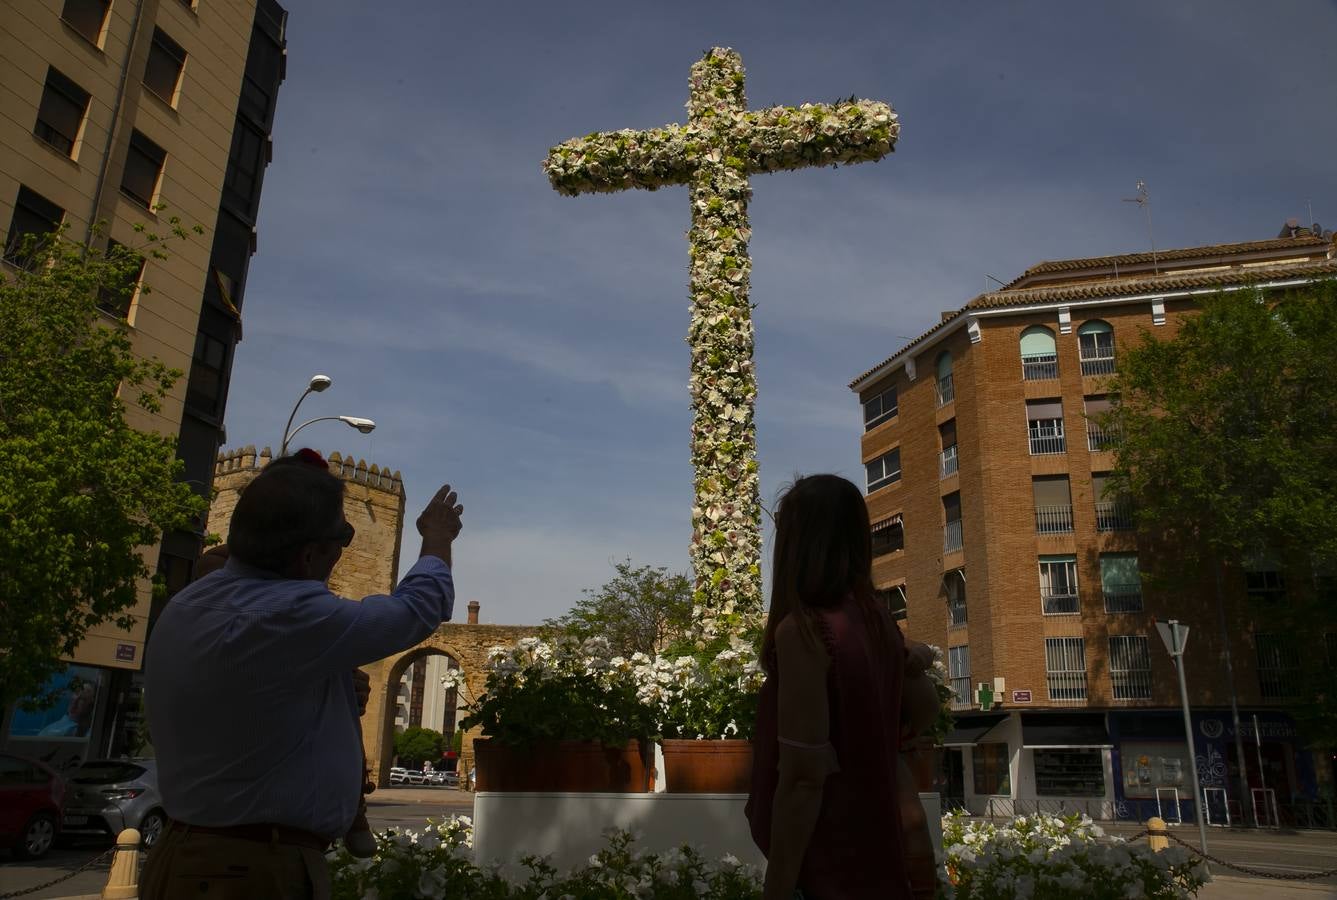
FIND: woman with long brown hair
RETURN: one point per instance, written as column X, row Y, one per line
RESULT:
column 831, row 807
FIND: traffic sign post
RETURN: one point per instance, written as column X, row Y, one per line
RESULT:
column 1175, row 637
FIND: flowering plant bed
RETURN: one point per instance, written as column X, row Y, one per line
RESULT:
column 1048, row 858
column 437, row 862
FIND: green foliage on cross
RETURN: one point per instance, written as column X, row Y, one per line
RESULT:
column 1226, row 450
column 82, row 494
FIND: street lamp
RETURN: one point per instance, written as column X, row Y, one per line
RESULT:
column 1176, row 637
column 366, row 426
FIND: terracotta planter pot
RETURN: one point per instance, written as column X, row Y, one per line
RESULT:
column 579, row 766
column 708, row 767
column 921, row 756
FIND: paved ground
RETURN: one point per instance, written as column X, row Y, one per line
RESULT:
column 1279, row 852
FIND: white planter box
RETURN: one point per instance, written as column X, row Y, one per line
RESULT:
column 570, row 826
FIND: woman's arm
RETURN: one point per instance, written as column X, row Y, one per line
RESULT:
column 806, row 755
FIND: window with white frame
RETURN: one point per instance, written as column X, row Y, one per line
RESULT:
column 1095, row 342
column 1130, row 667
column 880, row 408
column 884, row 470
column 1065, row 668
column 1044, row 420
column 1058, row 585
column 958, row 670
column 1039, row 354
column 1121, row 582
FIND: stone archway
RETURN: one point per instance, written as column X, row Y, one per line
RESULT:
column 468, row 645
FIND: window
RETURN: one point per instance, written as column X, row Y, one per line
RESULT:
column 1078, row 772
column 246, row 162
column 1058, row 585
column 948, row 464
column 204, row 391
column 1120, row 582
column 1278, row 666
column 1095, row 340
column 879, row 408
column 1039, row 354
column 888, row 536
column 952, row 536
column 116, row 300
column 884, row 470
column 1044, row 419
column 1113, row 512
column 166, row 62
column 895, row 597
column 254, row 102
column 1065, row 668
column 1053, row 504
column 958, row 670
column 143, row 170
column 34, row 215
column 86, row 17
column 992, row 772
column 1099, row 436
column 61, row 115
column 1263, row 583
column 946, row 389
column 1130, row 667
column 954, row 585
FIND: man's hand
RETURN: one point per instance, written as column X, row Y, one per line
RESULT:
column 361, row 689
column 440, row 524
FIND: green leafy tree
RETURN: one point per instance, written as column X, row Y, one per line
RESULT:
column 1228, row 453
column 82, row 494
column 414, row 744
column 640, row 610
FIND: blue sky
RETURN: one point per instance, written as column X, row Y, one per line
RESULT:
column 529, row 348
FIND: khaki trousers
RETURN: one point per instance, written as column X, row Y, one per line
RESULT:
column 186, row 864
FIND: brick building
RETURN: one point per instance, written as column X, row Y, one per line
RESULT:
column 985, row 482
column 110, row 111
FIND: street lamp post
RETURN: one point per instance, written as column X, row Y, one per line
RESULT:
column 317, row 384
column 1175, row 637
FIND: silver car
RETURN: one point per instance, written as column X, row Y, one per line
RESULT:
column 105, row 796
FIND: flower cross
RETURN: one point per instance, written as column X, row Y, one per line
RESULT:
column 722, row 144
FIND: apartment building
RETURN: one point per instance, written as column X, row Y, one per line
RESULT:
column 993, row 530
column 126, row 112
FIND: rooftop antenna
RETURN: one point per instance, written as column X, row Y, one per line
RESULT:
column 999, row 281
column 1143, row 199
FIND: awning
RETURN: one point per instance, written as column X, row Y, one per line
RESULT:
column 888, row 522
column 967, row 730
column 1059, row 731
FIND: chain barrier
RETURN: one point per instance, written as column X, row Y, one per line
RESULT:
column 1257, row 873
column 105, row 856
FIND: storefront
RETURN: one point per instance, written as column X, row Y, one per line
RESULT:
column 87, row 712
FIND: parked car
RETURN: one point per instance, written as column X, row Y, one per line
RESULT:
column 108, row 795
column 398, row 774
column 30, row 796
column 415, row 776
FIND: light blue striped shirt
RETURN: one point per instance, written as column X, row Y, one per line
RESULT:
column 249, row 692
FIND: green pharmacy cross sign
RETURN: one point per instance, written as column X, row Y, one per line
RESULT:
column 985, row 696
column 722, row 144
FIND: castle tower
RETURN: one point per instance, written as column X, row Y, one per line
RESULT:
column 373, row 503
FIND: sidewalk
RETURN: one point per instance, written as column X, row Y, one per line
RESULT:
column 1235, row 887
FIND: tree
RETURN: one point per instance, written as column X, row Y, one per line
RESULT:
column 639, row 611
column 82, row 494
column 1227, row 450
column 414, row 744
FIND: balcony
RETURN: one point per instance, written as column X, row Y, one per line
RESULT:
column 1053, row 519
column 946, row 390
column 947, row 462
column 1099, row 439
column 1097, row 360
column 1060, row 601
column 1067, row 687
column 956, row 612
column 951, row 537
column 1047, row 439
column 1039, row 366
column 1123, row 598
column 1113, row 515
column 1131, row 684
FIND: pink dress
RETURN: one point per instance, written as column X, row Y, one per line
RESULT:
column 856, row 850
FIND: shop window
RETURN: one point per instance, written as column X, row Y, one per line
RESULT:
column 993, row 773
column 1078, row 772
column 1151, row 765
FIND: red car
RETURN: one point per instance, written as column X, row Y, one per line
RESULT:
column 30, row 798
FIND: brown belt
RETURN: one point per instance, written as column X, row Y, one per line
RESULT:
column 261, row 833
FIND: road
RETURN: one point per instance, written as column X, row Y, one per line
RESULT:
column 1293, row 852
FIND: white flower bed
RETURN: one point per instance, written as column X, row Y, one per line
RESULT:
column 1048, row 858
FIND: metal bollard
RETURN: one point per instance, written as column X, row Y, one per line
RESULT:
column 1157, row 842
column 123, row 880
